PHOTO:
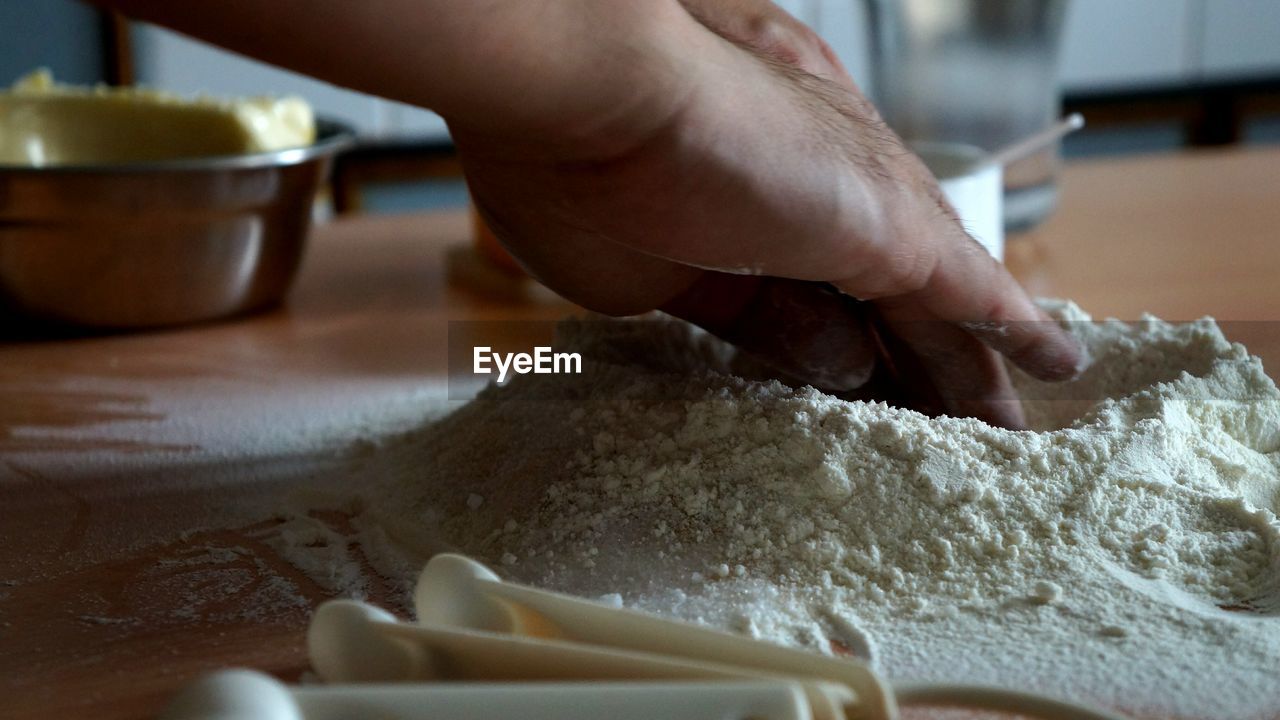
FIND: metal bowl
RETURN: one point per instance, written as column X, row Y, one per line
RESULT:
column 157, row 243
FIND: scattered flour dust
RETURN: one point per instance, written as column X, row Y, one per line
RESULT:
column 1127, row 554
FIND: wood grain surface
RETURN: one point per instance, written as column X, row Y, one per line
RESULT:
column 135, row 469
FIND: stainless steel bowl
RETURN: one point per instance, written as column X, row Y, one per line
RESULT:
column 157, row 243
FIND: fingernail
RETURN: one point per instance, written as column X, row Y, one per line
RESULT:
column 1055, row 363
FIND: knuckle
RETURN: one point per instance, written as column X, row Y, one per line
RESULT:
column 904, row 271
column 910, row 268
column 787, row 41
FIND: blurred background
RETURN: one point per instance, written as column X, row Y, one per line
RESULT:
column 1151, row 76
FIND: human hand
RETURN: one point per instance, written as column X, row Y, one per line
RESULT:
column 735, row 191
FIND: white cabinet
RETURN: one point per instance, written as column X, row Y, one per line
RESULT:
column 1136, row 43
column 179, row 64
column 1241, row 39
column 1129, row 43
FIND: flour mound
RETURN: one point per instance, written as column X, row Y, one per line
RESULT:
column 1126, row 554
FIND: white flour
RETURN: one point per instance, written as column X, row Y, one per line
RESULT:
column 1128, row 555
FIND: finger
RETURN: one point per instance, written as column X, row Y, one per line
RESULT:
column 803, row 329
column 899, row 379
column 969, row 379
column 584, row 267
column 968, row 287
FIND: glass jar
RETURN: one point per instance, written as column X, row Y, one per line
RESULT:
column 981, row 72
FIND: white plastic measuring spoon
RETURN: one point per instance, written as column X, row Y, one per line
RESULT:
column 244, row 694
column 456, row 591
column 351, row 642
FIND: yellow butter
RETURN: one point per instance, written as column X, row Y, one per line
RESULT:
column 46, row 123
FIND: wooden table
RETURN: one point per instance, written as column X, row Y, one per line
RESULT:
column 134, row 469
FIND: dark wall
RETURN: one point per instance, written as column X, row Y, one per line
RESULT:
column 59, row 34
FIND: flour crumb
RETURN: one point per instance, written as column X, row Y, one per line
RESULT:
column 1045, row 593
